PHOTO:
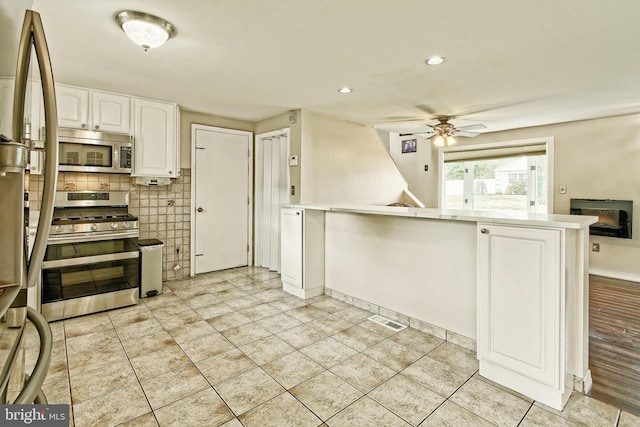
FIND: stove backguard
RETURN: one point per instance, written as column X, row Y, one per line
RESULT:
column 614, row 216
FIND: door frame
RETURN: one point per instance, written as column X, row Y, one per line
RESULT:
column 192, row 239
column 259, row 173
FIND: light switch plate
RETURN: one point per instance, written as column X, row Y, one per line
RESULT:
column 563, row 189
column 293, row 160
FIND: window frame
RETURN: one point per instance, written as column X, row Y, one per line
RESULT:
column 549, row 142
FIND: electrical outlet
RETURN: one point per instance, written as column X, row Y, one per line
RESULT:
column 595, row 247
column 563, row 189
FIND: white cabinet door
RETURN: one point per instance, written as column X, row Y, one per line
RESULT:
column 7, row 86
column 291, row 225
column 155, row 139
column 110, row 112
column 73, row 107
column 520, row 306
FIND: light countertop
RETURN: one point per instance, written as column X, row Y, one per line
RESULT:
column 496, row 217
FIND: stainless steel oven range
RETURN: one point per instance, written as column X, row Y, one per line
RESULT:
column 91, row 262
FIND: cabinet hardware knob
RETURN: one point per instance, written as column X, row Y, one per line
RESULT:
column 484, row 231
column 297, row 213
column 200, row 209
column 83, row 125
column 97, row 127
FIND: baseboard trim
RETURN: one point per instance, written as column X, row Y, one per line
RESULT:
column 615, row 274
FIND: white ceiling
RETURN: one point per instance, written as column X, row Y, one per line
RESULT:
column 509, row 63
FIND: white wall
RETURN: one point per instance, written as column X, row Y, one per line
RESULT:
column 345, row 162
column 411, row 165
column 423, row 268
column 594, row 159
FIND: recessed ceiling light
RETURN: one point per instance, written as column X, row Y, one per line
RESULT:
column 345, row 90
column 435, row 60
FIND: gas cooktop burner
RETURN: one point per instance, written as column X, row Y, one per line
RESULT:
column 91, row 213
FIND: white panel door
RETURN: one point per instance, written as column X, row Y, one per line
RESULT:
column 520, row 301
column 221, row 203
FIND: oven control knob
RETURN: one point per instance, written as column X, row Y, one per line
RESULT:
column 114, row 225
column 58, row 229
column 94, row 227
column 73, row 227
column 126, row 225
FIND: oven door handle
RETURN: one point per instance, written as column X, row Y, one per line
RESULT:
column 91, row 237
column 69, row 262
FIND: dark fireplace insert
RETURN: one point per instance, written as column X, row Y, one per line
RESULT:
column 614, row 216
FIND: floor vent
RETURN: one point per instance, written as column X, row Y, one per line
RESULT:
column 380, row 320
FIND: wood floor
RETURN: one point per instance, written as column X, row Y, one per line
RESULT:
column 614, row 342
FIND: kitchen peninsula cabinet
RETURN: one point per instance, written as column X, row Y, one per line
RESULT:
column 156, row 144
column 82, row 108
column 521, row 310
column 302, row 252
column 511, row 285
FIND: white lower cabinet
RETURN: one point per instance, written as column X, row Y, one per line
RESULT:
column 302, row 252
column 521, row 311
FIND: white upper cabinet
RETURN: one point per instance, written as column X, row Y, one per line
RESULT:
column 110, row 112
column 6, row 106
column 34, row 110
column 93, row 110
column 156, row 144
column 73, row 107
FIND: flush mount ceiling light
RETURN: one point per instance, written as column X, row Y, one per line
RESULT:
column 147, row 31
column 345, row 90
column 435, row 60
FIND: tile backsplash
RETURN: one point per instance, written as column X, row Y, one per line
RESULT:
column 164, row 212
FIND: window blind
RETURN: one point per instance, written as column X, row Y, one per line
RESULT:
column 496, row 153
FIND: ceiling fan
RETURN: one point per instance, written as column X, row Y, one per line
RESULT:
column 444, row 131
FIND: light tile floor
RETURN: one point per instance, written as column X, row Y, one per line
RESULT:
column 231, row 348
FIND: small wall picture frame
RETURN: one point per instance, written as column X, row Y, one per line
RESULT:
column 409, row 145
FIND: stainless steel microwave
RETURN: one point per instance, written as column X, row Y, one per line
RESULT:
column 91, row 151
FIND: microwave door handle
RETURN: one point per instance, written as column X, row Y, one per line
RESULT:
column 116, row 156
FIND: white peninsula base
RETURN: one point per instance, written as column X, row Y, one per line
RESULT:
column 520, row 288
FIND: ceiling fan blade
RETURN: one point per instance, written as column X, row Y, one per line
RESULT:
column 430, row 134
column 471, row 127
column 467, row 134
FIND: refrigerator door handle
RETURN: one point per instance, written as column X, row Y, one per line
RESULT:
column 32, row 29
column 32, row 389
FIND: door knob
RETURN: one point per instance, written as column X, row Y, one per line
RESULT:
column 200, row 209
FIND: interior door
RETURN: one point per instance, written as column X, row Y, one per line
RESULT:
column 221, row 202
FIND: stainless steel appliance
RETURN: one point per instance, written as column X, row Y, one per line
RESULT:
column 92, row 259
column 15, row 277
column 92, row 151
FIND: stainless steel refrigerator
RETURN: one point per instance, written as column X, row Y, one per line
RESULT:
column 18, row 272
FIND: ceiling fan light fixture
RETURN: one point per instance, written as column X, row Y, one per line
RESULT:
column 435, row 60
column 145, row 30
column 450, row 140
column 438, row 141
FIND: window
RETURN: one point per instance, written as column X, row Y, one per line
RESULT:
column 502, row 176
